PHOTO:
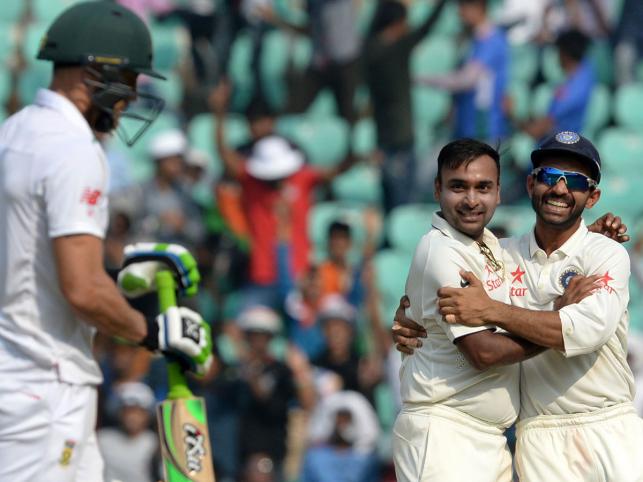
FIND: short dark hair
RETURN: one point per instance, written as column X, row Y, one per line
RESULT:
column 339, row 227
column 258, row 108
column 573, row 43
column 468, row 2
column 464, row 151
column 388, row 12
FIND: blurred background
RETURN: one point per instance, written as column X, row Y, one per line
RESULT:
column 302, row 271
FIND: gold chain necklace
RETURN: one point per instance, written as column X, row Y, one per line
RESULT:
column 491, row 259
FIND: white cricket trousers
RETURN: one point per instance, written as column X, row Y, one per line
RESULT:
column 47, row 433
column 601, row 446
column 441, row 444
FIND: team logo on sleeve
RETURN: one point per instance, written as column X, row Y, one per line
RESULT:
column 68, row 451
column 567, row 274
column 604, row 281
column 91, row 196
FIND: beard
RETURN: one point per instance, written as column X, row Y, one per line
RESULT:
column 557, row 222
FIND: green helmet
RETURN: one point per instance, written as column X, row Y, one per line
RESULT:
column 99, row 32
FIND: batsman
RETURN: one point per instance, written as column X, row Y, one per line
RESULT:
column 54, row 291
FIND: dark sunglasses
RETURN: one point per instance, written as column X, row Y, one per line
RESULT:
column 575, row 181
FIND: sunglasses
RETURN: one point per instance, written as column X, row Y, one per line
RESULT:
column 575, row 181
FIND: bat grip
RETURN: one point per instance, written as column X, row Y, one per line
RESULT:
column 177, row 383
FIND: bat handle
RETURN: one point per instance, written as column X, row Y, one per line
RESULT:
column 177, row 383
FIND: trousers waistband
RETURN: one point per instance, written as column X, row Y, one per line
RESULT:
column 575, row 419
column 453, row 415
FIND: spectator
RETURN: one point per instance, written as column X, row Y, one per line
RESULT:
column 592, row 17
column 162, row 210
column 131, row 449
column 336, row 44
column 268, row 388
column 343, row 435
column 569, row 104
column 628, row 40
column 273, row 174
column 523, row 19
column 337, row 319
column 387, row 55
column 479, row 85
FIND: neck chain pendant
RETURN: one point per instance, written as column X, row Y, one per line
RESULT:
column 491, row 259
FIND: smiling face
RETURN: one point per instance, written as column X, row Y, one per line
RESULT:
column 557, row 206
column 468, row 195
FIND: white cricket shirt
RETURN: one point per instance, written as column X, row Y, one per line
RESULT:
column 53, row 176
column 438, row 373
column 592, row 372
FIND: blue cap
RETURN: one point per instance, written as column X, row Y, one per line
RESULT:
column 571, row 144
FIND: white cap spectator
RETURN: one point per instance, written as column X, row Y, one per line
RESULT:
column 197, row 158
column 366, row 428
column 274, row 158
column 335, row 307
column 168, row 143
column 135, row 394
column 260, row 318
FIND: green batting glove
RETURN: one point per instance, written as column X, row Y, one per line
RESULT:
column 144, row 260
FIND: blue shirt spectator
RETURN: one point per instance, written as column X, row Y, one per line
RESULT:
column 479, row 110
column 569, row 105
column 327, row 463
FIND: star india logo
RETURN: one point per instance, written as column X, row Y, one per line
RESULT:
column 517, row 278
column 567, row 137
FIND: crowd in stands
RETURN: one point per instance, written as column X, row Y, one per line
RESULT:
column 295, row 157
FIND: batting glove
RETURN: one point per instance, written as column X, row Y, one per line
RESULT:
column 144, row 260
column 181, row 335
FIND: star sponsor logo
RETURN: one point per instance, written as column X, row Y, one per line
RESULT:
column 517, row 277
column 493, row 281
column 91, row 196
column 604, row 282
column 567, row 274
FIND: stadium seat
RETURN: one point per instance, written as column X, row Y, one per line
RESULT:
column 541, row 97
column 524, row 63
column 170, row 90
column 31, row 41
column 391, row 269
column 47, row 10
column 620, row 194
column 12, row 11
column 621, row 150
column 5, row 87
column 520, row 96
column 239, row 65
column 364, row 138
column 516, row 220
column 324, row 105
column 406, row 224
column 274, row 61
column 200, row 132
column 324, row 213
column 324, row 140
column 448, row 23
column 361, row 184
column 520, row 147
column 550, row 65
column 628, row 106
column 430, row 106
column 434, row 55
column 170, row 43
column 7, row 41
column 36, row 76
column 598, row 110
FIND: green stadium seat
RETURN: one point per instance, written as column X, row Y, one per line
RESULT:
column 12, row 11
column 550, row 65
column 36, row 76
column 8, row 33
column 391, row 269
column 47, row 10
column 239, row 71
column 601, row 55
column 448, row 23
column 406, row 224
column 621, row 150
column 366, row 10
column 364, row 139
column 361, row 184
column 324, row 105
column 520, row 147
column 170, row 90
column 430, row 106
column 200, row 132
column 598, row 110
column 619, row 194
column 324, row 213
column 541, row 99
column 275, row 56
column 628, row 106
column 31, row 41
column 170, row 43
column 323, row 139
column 5, row 87
column 520, row 96
column 385, row 405
column 434, row 55
column 524, row 63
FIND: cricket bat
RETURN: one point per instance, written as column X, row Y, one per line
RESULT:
column 186, row 453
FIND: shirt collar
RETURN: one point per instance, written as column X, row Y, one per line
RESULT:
column 568, row 248
column 52, row 100
column 441, row 224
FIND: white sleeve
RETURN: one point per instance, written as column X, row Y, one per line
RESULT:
column 588, row 325
column 443, row 270
column 75, row 189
